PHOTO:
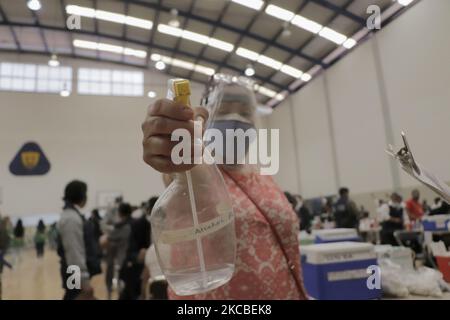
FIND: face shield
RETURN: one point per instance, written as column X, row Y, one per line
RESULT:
column 230, row 130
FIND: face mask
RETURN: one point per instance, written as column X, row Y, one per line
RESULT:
column 229, row 149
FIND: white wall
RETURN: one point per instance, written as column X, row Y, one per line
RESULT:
column 92, row 138
column 343, row 124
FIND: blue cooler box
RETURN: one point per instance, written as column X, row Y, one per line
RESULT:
column 338, row 271
column 335, row 235
column 436, row 223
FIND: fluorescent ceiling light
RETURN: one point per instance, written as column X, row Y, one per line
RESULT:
column 269, row 62
column 196, row 37
column 134, row 52
column 109, row 48
column 204, row 70
column 245, row 53
column 280, row 96
column 109, row 16
column 306, row 24
column 279, row 13
column 252, row 4
column 332, row 35
column 349, row 43
column 193, row 36
column 313, row 26
column 182, row 64
column 306, row 77
column 293, row 72
column 272, row 63
column 405, row 2
column 138, row 23
column 267, row 92
column 80, row 11
column 155, row 57
column 219, row 44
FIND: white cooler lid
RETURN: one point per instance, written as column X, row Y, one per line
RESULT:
column 437, row 218
column 335, row 233
column 324, row 253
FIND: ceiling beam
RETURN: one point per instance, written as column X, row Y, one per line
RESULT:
column 341, row 11
column 11, row 29
column 185, row 22
column 228, row 27
column 41, row 32
column 310, row 39
column 152, row 34
column 241, row 36
column 65, row 17
column 133, row 41
column 274, row 39
column 211, row 34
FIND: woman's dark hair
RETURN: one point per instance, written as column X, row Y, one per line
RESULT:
column 75, row 192
column 125, row 209
column 291, row 199
column 343, row 191
column 96, row 214
column 19, row 230
column 41, row 226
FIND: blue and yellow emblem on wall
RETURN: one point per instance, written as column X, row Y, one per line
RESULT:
column 29, row 161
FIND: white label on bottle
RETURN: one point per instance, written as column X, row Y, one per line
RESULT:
column 347, row 275
column 203, row 229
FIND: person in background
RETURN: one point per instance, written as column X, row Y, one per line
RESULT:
column 108, row 222
column 266, row 225
column 440, row 207
column 53, row 236
column 392, row 218
column 96, row 220
column 413, row 206
column 5, row 241
column 75, row 239
column 18, row 241
column 117, row 243
column 39, row 239
column 426, row 207
column 154, row 284
column 303, row 214
column 346, row 213
column 132, row 269
column 19, row 234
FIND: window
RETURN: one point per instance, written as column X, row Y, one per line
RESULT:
column 110, row 82
column 34, row 78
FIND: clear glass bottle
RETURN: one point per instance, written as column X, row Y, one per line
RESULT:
column 193, row 224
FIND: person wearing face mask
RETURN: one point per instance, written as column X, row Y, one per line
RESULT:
column 392, row 217
column 76, row 242
column 267, row 250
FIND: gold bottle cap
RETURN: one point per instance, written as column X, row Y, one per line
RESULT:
column 182, row 91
